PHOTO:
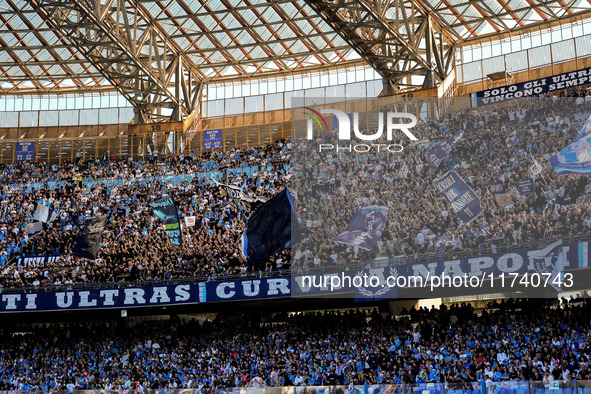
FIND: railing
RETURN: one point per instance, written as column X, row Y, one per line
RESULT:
column 480, row 387
column 379, row 262
column 69, row 143
column 373, row 263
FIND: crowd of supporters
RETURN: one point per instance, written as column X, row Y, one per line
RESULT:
column 134, row 245
column 532, row 340
column 500, row 144
column 153, row 166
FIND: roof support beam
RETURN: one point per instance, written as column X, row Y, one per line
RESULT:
column 124, row 44
column 396, row 37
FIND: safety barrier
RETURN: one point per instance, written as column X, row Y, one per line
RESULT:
column 480, row 387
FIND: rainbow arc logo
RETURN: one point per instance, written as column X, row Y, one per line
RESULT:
column 317, row 117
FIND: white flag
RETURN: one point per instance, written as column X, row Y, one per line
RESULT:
column 34, row 228
column 44, row 214
column 536, row 168
column 190, row 221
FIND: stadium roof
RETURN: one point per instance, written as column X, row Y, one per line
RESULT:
column 223, row 38
column 58, row 46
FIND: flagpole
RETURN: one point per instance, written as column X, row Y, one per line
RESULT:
column 545, row 182
column 536, row 163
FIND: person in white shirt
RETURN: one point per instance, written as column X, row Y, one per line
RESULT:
column 275, row 378
column 502, row 357
column 299, row 380
column 548, row 379
column 257, row 382
column 317, row 261
column 416, row 336
column 420, row 238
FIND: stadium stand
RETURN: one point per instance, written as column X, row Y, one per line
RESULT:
column 135, row 248
column 504, row 347
column 510, row 140
column 138, row 139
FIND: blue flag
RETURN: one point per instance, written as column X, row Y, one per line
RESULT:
column 271, row 228
column 436, row 155
column 497, row 188
column 365, row 228
column 526, row 187
column 464, row 201
column 576, row 157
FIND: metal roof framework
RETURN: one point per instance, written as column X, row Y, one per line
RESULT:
column 159, row 53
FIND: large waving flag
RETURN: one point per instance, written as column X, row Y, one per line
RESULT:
column 34, row 228
column 41, row 217
column 271, row 228
column 365, row 228
column 436, row 155
column 576, row 157
column 87, row 244
column 44, row 214
column 245, row 203
column 166, row 211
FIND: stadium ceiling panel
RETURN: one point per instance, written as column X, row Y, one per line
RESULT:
column 217, row 40
column 146, row 46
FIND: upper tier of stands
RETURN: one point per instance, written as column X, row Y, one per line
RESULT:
column 421, row 223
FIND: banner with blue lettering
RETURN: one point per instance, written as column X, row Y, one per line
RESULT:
column 212, row 139
column 366, row 284
column 464, row 201
column 525, row 187
column 24, row 151
column 381, row 282
column 532, row 88
column 389, row 280
column 576, row 157
column 365, row 228
column 436, row 155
